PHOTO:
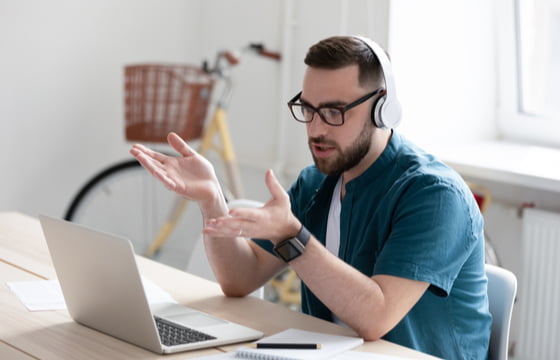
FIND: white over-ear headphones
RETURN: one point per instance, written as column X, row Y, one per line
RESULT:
column 386, row 112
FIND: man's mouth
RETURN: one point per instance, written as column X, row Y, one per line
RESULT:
column 322, row 150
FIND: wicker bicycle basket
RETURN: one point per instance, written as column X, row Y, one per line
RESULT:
column 164, row 98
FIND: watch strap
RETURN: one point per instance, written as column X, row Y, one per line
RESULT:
column 292, row 248
column 303, row 236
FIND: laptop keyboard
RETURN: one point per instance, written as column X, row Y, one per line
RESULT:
column 173, row 334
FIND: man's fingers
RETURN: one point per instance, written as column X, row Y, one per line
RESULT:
column 247, row 214
column 179, row 145
column 154, row 162
column 138, row 149
column 173, row 139
column 276, row 190
column 155, row 168
column 228, row 226
column 147, row 161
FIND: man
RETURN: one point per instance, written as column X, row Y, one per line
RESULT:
column 386, row 239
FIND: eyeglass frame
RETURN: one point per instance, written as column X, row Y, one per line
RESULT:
column 342, row 109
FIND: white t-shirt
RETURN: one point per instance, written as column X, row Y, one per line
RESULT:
column 333, row 229
column 333, row 223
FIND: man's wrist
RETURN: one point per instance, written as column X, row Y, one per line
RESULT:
column 293, row 247
column 215, row 205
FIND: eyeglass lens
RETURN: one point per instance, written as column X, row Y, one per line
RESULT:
column 305, row 113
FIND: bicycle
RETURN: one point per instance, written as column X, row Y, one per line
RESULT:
column 159, row 99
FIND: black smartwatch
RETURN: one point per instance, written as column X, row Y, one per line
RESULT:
column 290, row 249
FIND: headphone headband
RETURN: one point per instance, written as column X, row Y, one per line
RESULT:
column 387, row 112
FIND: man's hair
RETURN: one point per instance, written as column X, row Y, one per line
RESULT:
column 340, row 51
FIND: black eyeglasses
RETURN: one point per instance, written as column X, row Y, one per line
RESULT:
column 330, row 114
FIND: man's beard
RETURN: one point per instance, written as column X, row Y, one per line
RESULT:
column 345, row 160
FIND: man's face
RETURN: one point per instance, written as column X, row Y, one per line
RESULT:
column 337, row 149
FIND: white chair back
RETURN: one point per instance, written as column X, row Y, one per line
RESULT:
column 502, row 288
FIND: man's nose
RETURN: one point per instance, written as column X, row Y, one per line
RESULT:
column 316, row 126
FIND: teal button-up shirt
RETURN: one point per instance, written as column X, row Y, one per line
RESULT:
column 411, row 216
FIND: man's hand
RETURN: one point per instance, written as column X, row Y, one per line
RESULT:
column 190, row 175
column 274, row 221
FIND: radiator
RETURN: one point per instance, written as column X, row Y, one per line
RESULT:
column 539, row 287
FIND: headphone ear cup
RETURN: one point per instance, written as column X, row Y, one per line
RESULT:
column 376, row 112
column 386, row 114
column 390, row 114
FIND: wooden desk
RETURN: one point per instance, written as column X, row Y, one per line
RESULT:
column 53, row 335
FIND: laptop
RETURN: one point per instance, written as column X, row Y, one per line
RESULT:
column 103, row 290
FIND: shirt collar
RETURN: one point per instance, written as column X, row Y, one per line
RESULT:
column 381, row 164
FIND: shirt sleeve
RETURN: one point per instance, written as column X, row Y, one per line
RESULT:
column 433, row 232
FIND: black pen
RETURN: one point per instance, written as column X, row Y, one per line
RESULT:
column 298, row 346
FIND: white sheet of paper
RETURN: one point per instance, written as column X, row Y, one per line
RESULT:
column 361, row 355
column 46, row 295
column 331, row 345
column 39, row 295
column 347, row 355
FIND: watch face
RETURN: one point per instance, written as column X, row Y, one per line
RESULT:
column 288, row 250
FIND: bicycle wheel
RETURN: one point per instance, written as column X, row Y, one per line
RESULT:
column 124, row 199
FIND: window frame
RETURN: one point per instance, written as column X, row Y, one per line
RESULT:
column 512, row 123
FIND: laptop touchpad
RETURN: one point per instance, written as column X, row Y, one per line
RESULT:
column 195, row 319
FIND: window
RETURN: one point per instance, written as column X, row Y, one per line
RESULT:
column 538, row 41
column 528, row 53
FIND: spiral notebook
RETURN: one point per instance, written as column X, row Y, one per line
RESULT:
column 330, row 346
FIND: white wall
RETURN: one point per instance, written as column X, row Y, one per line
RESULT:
column 444, row 58
column 61, row 88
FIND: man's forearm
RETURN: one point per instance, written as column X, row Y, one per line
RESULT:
column 369, row 307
